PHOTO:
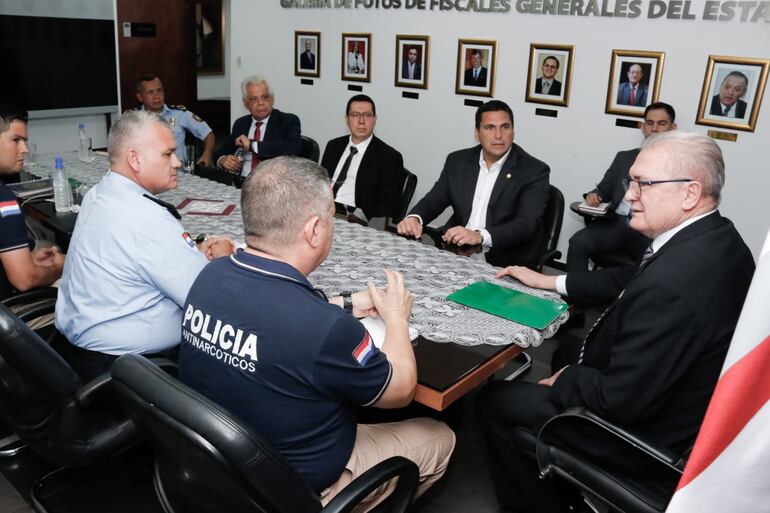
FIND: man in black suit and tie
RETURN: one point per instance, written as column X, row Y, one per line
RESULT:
column 476, row 76
column 611, row 232
column 365, row 172
column 728, row 102
column 652, row 360
column 307, row 59
column 497, row 191
column 411, row 69
column 262, row 134
column 547, row 84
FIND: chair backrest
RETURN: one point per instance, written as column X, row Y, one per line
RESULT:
column 552, row 220
column 407, row 192
column 205, row 458
column 310, row 149
column 38, row 400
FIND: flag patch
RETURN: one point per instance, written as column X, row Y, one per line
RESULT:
column 9, row 208
column 364, row 350
column 189, row 240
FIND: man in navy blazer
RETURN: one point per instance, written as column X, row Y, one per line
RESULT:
column 635, row 75
column 374, row 175
column 263, row 134
column 497, row 192
column 411, row 64
column 652, row 360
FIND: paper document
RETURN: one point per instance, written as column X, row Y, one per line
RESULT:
column 376, row 328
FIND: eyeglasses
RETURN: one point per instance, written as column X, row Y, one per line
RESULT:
column 366, row 115
column 635, row 186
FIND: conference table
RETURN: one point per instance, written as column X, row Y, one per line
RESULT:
column 457, row 348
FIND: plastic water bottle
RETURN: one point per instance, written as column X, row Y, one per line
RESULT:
column 84, row 150
column 62, row 194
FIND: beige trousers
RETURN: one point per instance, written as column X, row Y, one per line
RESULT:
column 427, row 442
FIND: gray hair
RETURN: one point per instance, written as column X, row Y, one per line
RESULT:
column 255, row 80
column 692, row 155
column 279, row 196
column 128, row 127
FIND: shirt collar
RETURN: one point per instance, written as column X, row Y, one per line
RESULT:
column 664, row 237
column 264, row 121
column 497, row 165
column 117, row 180
column 164, row 110
column 361, row 147
column 268, row 267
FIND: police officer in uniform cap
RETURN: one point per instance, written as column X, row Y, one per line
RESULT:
column 149, row 92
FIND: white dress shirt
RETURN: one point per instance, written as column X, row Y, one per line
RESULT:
column 347, row 192
column 246, row 167
column 731, row 112
column 484, row 185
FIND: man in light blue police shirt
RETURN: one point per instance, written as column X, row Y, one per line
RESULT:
column 130, row 262
column 149, row 92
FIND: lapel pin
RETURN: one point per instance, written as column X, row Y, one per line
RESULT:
column 508, row 176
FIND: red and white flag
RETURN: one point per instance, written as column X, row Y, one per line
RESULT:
column 729, row 468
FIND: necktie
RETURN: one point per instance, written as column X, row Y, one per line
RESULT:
column 344, row 171
column 475, row 74
column 632, row 96
column 168, row 206
column 546, row 86
column 257, row 135
column 727, row 110
column 411, row 71
column 648, row 253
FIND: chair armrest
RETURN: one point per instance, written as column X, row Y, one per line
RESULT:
column 554, row 254
column 31, row 295
column 87, row 392
column 40, row 308
column 164, row 363
column 363, row 485
column 574, row 421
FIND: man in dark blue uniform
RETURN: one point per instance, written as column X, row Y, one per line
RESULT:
column 20, row 268
column 294, row 365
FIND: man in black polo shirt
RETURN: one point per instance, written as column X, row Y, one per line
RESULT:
column 294, row 365
column 20, row 268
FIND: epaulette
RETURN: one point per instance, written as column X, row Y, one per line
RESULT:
column 177, row 107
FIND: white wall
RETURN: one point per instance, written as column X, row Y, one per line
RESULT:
column 578, row 145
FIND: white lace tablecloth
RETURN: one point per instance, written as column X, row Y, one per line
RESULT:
column 359, row 254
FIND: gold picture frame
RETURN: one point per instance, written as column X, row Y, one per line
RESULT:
column 307, row 53
column 545, row 59
column 722, row 104
column 420, row 45
column 476, row 80
column 356, row 65
column 625, row 70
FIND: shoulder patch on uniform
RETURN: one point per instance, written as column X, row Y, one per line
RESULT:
column 9, row 208
column 364, row 350
column 177, row 107
column 196, row 117
column 189, row 240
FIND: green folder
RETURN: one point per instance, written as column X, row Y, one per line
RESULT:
column 533, row 311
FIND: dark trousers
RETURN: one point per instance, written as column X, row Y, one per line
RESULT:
column 511, row 414
column 603, row 236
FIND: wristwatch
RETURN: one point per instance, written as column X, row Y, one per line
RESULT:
column 481, row 236
column 201, row 238
column 347, row 300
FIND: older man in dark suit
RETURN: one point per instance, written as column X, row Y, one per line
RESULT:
column 651, row 361
column 728, row 102
column 365, row 172
column 262, row 134
column 497, row 191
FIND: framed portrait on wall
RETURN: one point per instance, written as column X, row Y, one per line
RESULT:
column 732, row 92
column 209, row 37
column 550, row 73
column 634, row 81
column 357, row 57
column 412, row 61
column 476, row 66
column 307, row 54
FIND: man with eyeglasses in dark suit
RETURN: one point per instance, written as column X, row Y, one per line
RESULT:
column 365, row 172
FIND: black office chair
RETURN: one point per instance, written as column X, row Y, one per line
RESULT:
column 552, row 220
column 630, row 475
column 208, row 460
column 407, row 192
column 310, row 149
column 46, row 404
